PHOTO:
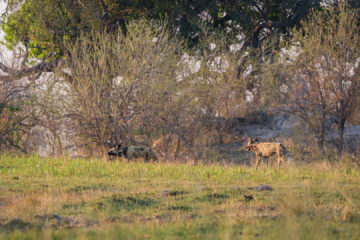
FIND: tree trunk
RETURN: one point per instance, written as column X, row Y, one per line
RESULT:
column 177, row 151
column 341, row 139
column 321, row 139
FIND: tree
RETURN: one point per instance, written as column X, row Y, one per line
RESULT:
column 317, row 75
column 16, row 111
column 44, row 34
column 117, row 84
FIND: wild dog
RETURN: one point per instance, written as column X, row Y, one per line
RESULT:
column 266, row 150
column 131, row 152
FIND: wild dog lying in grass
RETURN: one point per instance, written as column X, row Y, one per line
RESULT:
column 131, row 152
column 266, row 150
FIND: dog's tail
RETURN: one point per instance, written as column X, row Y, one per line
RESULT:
column 286, row 153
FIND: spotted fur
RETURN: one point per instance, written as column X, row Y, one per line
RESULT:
column 266, row 150
column 131, row 152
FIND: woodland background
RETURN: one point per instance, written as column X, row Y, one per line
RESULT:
column 192, row 79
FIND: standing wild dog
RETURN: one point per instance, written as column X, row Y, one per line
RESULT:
column 266, row 150
column 131, row 152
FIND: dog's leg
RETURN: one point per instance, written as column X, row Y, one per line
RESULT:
column 278, row 162
column 257, row 161
column 283, row 160
column 279, row 157
column 147, row 157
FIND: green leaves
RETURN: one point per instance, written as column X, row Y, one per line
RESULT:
column 47, row 25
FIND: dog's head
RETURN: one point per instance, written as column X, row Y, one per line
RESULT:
column 251, row 145
column 116, row 151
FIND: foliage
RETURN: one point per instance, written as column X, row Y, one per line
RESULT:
column 118, row 84
column 141, row 87
column 58, row 22
column 118, row 75
column 316, row 76
column 17, row 115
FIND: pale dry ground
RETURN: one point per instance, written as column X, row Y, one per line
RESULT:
column 91, row 199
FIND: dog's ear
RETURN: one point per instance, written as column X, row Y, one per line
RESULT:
column 256, row 139
column 250, row 141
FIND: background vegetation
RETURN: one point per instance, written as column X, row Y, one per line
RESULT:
column 177, row 76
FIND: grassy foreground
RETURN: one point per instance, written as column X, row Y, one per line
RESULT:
column 95, row 199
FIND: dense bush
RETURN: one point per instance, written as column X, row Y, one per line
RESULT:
column 148, row 87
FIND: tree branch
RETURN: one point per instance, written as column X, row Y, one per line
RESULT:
column 275, row 24
column 105, row 10
column 263, row 15
column 14, row 74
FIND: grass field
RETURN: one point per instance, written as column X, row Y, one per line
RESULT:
column 94, row 199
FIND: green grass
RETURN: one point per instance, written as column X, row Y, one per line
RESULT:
column 94, row 199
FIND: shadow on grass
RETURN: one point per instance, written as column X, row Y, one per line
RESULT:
column 121, row 202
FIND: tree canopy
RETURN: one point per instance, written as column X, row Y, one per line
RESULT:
column 43, row 27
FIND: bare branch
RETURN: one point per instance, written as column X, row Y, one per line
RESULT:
column 14, row 74
column 300, row 13
column 258, row 8
column 105, row 10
